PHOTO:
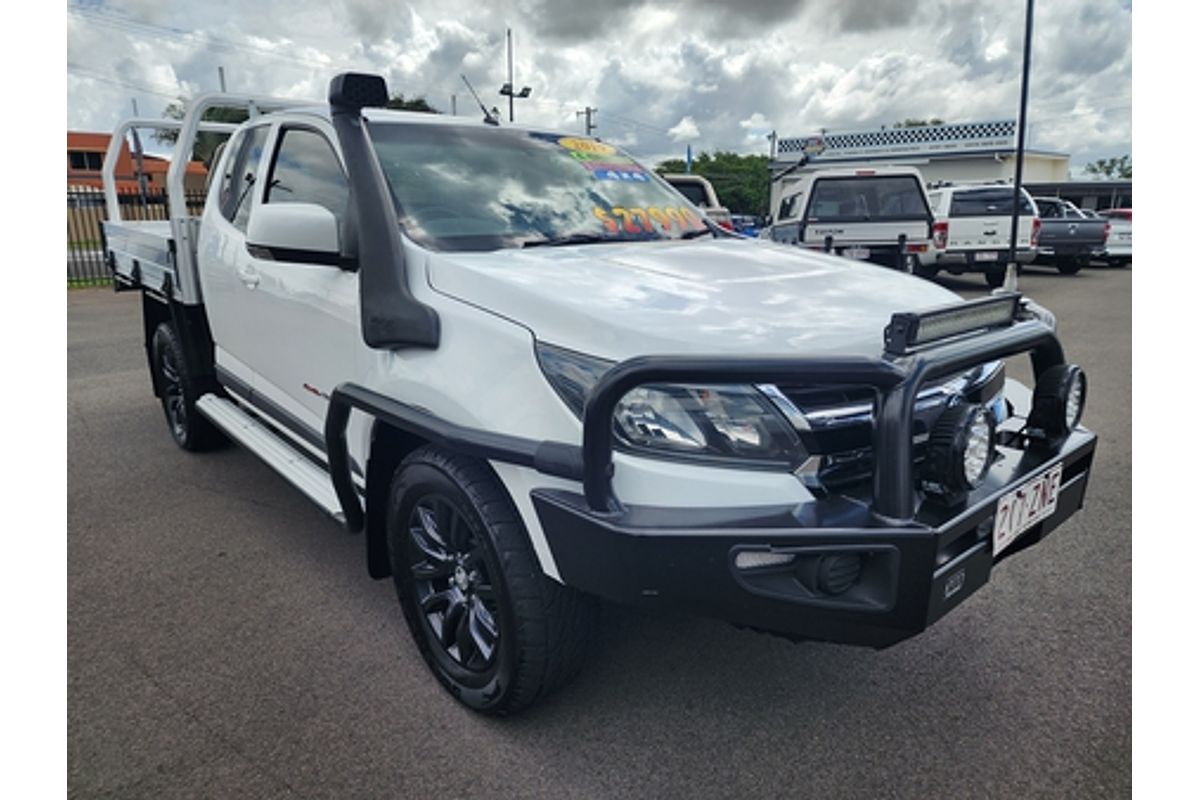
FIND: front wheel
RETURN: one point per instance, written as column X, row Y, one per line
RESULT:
column 491, row 626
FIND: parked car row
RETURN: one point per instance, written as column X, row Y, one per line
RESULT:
column 889, row 217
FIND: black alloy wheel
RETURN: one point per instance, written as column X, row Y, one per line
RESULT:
column 178, row 392
column 172, row 394
column 495, row 631
column 450, row 579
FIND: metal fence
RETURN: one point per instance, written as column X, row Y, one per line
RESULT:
column 85, row 212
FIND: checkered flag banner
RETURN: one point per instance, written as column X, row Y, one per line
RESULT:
column 929, row 138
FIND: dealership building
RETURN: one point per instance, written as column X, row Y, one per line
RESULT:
column 967, row 152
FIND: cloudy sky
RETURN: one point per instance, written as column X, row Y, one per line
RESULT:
column 663, row 74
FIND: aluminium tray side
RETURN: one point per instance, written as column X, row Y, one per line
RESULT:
column 143, row 253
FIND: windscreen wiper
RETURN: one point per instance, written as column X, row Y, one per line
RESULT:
column 574, row 238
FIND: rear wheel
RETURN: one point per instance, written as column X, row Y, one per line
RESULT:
column 926, row 271
column 994, row 278
column 179, row 393
column 491, row 626
column 1069, row 266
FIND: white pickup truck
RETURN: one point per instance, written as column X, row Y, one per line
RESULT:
column 878, row 215
column 1118, row 248
column 972, row 231
column 530, row 375
column 700, row 192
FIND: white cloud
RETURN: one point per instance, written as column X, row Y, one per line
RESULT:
column 685, row 131
column 756, row 123
column 665, row 71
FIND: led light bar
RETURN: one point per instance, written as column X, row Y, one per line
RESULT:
column 909, row 331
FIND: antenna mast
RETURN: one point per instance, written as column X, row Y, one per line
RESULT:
column 487, row 115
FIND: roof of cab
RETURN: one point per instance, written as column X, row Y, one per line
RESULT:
column 423, row 118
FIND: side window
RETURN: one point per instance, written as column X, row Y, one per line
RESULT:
column 307, row 171
column 240, row 176
column 788, row 207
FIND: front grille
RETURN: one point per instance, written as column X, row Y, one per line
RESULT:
column 839, row 420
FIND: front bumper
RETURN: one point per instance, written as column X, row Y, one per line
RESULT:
column 911, row 574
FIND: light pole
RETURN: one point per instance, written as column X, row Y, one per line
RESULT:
column 507, row 89
column 1010, row 274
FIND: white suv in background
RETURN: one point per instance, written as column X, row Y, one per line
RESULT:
column 972, row 230
column 878, row 215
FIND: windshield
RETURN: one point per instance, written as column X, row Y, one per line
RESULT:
column 854, row 199
column 471, row 188
column 987, row 202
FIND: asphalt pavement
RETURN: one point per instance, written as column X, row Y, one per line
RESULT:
column 225, row 641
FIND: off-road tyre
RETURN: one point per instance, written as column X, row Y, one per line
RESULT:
column 486, row 569
column 178, row 393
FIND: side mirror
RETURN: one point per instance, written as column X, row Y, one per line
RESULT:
column 300, row 232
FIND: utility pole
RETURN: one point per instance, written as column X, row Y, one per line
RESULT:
column 1010, row 272
column 588, row 125
column 221, row 76
column 137, row 155
column 454, row 105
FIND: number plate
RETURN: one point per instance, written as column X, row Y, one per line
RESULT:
column 987, row 256
column 857, row 252
column 1024, row 507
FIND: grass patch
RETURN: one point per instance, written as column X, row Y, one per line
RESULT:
column 87, row 283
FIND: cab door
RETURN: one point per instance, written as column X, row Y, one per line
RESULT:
column 305, row 315
column 226, row 275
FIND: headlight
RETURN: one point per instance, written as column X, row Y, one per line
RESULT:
column 729, row 421
column 723, row 422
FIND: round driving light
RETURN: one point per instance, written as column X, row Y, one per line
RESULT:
column 838, row 573
column 1074, row 405
column 1058, row 401
column 960, row 450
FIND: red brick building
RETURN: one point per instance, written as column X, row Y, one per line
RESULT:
column 85, row 157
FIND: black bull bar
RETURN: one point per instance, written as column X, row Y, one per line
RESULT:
column 897, row 381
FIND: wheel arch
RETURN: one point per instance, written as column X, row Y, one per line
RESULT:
column 154, row 313
column 389, row 446
column 190, row 324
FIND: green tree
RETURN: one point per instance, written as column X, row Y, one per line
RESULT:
column 742, row 183
column 1111, row 168
column 206, row 142
column 398, row 103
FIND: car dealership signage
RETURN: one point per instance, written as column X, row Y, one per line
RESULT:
column 926, row 140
